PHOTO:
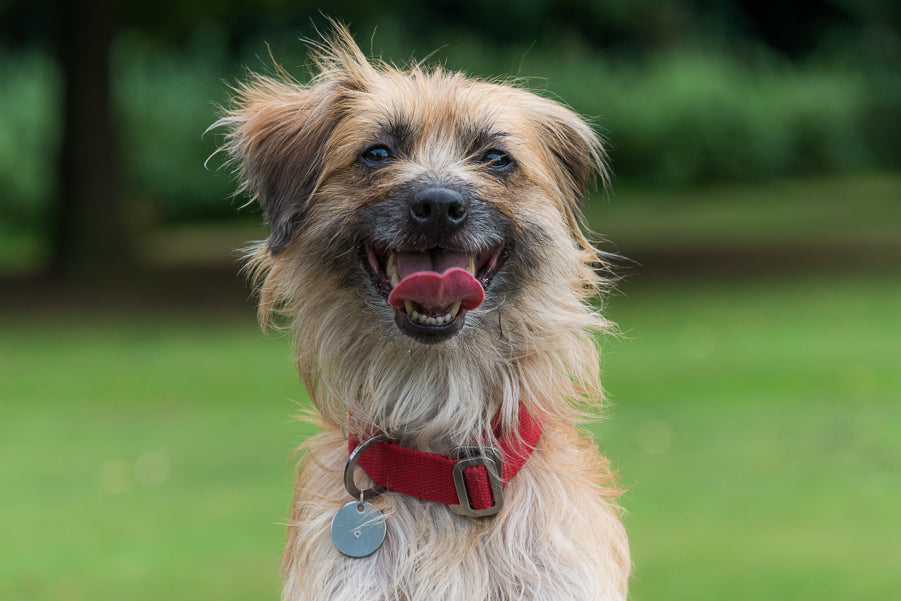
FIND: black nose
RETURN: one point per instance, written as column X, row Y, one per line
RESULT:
column 438, row 208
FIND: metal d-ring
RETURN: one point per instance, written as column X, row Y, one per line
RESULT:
column 349, row 484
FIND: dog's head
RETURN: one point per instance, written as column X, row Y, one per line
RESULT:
column 415, row 209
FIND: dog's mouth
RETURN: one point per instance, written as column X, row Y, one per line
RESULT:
column 431, row 290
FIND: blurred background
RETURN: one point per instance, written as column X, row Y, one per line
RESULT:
column 146, row 422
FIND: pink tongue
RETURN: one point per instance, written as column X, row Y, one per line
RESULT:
column 435, row 281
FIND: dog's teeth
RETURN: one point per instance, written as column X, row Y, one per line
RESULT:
column 408, row 307
column 429, row 320
column 455, row 308
column 471, row 265
column 391, row 270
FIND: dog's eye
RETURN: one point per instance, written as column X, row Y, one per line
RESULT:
column 376, row 154
column 496, row 159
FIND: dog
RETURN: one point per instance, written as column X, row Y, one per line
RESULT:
column 425, row 251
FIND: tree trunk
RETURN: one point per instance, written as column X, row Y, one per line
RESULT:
column 90, row 233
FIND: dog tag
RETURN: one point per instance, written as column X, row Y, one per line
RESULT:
column 358, row 529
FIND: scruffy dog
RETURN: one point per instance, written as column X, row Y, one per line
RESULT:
column 425, row 248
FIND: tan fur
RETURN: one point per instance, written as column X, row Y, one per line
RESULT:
column 559, row 535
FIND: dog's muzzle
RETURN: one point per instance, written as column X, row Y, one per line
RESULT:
column 431, row 279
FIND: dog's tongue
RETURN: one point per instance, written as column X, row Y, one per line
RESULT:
column 435, row 280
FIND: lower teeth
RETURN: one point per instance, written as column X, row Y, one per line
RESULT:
column 430, row 320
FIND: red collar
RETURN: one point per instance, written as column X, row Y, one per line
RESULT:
column 469, row 480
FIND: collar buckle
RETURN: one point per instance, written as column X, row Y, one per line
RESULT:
column 492, row 460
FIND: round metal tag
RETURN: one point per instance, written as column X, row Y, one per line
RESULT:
column 358, row 529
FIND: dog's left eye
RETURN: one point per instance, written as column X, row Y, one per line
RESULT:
column 376, row 154
column 496, row 159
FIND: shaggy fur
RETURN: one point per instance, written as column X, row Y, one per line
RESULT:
column 297, row 149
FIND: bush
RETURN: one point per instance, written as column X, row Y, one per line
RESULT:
column 685, row 117
column 691, row 117
column 29, row 134
column 167, row 99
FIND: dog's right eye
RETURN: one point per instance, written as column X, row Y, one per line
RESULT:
column 376, row 154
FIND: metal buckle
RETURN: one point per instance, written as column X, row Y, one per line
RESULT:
column 491, row 459
column 349, row 484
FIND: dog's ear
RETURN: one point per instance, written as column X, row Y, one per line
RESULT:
column 278, row 132
column 576, row 152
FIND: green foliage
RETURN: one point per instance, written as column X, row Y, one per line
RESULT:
column 693, row 116
column 687, row 114
column 29, row 133
column 167, row 100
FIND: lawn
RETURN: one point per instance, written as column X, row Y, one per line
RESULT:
column 143, row 461
column 145, row 453
column 757, row 425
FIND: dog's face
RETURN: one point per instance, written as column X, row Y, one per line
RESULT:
column 424, row 238
column 449, row 191
column 426, row 195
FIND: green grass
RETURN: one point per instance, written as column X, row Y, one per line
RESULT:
column 756, row 422
column 757, row 425
column 145, row 461
column 845, row 213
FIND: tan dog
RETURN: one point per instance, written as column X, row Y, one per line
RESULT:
column 425, row 248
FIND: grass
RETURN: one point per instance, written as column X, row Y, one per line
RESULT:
column 758, row 426
column 148, row 459
column 850, row 212
column 755, row 419
column 756, row 423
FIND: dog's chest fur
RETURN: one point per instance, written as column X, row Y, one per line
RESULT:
column 559, row 537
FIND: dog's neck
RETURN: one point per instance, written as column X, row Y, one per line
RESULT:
column 436, row 398
column 432, row 401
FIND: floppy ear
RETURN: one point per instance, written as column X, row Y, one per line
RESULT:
column 277, row 136
column 577, row 152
